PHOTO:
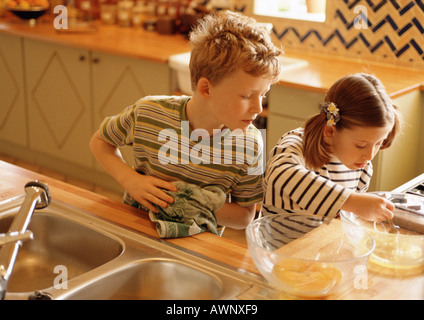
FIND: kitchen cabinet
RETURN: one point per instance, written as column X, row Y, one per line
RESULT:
column 12, row 92
column 289, row 108
column 119, row 82
column 65, row 92
column 402, row 161
column 58, row 92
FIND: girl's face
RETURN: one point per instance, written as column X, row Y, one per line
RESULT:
column 357, row 146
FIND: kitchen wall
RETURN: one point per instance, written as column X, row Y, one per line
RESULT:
column 392, row 33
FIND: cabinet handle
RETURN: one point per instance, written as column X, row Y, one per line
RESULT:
column 96, row 60
column 82, row 58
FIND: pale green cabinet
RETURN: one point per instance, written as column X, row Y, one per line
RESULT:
column 119, row 82
column 59, row 110
column 403, row 160
column 13, row 118
column 289, row 108
column 53, row 98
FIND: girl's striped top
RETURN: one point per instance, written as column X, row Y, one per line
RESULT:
column 164, row 146
column 290, row 187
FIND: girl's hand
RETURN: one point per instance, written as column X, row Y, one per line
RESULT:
column 147, row 190
column 369, row 206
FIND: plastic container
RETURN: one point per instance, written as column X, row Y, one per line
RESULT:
column 179, row 63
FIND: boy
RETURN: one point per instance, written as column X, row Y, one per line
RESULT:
column 233, row 64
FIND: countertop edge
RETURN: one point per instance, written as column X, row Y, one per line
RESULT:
column 211, row 246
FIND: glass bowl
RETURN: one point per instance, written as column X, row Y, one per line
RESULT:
column 399, row 250
column 309, row 256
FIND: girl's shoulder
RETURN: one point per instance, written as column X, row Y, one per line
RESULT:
column 293, row 137
column 290, row 145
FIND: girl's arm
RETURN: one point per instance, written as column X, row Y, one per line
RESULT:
column 235, row 216
column 369, row 206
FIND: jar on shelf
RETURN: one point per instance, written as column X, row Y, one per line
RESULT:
column 108, row 13
column 138, row 14
column 124, row 14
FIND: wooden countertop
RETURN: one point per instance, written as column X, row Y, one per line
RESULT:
column 14, row 178
column 380, row 284
column 318, row 76
column 322, row 71
column 131, row 42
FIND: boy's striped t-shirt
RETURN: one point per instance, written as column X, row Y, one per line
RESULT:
column 164, row 146
column 290, row 187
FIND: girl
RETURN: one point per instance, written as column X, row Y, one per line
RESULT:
column 326, row 166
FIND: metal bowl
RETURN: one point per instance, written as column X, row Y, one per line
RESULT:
column 403, row 249
column 309, row 256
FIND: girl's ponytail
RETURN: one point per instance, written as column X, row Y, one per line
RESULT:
column 315, row 149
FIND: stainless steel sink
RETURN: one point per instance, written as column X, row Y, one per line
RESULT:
column 153, row 279
column 104, row 260
column 58, row 241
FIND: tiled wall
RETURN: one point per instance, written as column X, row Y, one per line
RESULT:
column 393, row 31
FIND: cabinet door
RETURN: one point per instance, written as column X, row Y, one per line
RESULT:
column 289, row 108
column 277, row 126
column 402, row 161
column 120, row 81
column 58, row 101
column 12, row 95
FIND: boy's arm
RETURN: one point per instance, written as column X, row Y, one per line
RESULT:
column 235, row 216
column 144, row 189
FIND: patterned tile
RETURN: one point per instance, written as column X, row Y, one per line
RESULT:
column 389, row 30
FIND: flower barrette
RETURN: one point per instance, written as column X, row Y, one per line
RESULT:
column 332, row 113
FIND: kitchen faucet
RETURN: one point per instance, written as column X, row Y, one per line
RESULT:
column 37, row 196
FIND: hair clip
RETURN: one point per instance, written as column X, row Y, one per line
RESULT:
column 332, row 113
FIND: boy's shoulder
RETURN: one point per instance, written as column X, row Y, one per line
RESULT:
column 166, row 99
column 252, row 137
column 163, row 101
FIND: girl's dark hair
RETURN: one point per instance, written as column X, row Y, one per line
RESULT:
column 363, row 102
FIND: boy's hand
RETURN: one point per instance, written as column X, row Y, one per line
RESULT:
column 144, row 189
column 369, row 206
column 147, row 190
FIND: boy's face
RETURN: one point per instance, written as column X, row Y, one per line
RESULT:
column 237, row 100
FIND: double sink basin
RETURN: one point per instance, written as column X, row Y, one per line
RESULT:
column 77, row 255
